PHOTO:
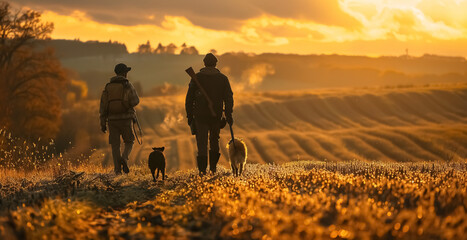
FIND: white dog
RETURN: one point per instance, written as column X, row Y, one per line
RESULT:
column 237, row 156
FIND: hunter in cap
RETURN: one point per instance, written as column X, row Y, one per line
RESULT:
column 117, row 113
column 203, row 122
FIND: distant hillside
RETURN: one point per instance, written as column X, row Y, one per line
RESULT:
column 94, row 61
column 75, row 49
column 271, row 71
column 148, row 71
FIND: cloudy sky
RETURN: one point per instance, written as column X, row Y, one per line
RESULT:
column 357, row 27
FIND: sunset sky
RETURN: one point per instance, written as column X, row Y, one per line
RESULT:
column 356, row 27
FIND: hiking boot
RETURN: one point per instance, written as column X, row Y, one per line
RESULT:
column 213, row 159
column 125, row 166
column 202, row 164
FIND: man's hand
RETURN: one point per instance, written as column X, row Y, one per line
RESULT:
column 103, row 128
column 229, row 119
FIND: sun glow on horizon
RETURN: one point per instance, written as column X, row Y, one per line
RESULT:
column 385, row 27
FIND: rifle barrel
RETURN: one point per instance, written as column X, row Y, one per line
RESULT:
column 192, row 74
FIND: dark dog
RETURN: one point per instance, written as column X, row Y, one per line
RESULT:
column 156, row 160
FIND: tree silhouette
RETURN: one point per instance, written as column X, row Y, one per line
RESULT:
column 145, row 48
column 171, row 48
column 31, row 81
column 188, row 50
column 160, row 49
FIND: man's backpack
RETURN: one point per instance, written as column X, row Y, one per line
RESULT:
column 117, row 97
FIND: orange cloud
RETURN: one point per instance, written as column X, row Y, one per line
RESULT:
column 172, row 29
column 382, row 27
column 216, row 15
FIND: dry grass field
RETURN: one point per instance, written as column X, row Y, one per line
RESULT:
column 300, row 200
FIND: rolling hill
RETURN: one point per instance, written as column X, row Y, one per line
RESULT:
column 373, row 124
column 93, row 62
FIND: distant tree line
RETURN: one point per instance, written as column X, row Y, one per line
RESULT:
column 170, row 49
column 76, row 48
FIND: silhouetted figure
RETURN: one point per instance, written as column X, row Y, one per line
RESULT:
column 117, row 110
column 156, row 160
column 217, row 87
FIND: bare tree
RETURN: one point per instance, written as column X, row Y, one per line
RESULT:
column 18, row 30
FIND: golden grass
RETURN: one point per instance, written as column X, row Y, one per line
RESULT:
column 299, row 200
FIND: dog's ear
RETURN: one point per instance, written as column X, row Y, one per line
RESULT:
column 161, row 149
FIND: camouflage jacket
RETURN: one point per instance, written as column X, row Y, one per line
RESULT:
column 133, row 100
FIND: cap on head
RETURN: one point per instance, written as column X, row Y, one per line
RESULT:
column 210, row 60
column 121, row 68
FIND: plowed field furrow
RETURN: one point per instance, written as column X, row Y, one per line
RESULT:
column 366, row 107
column 423, row 142
column 386, row 147
column 278, row 114
column 259, row 147
column 288, row 146
column 391, row 116
column 330, row 120
column 448, row 147
column 304, row 115
column 255, row 155
column 451, row 100
column 351, row 118
column 366, row 119
column 333, row 146
column 312, row 148
column 418, row 113
column 404, row 143
column 443, row 109
column 362, row 149
column 253, row 119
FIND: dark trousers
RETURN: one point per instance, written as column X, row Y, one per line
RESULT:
column 121, row 128
column 205, row 131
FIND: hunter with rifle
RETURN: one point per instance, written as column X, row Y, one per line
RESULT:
column 209, row 105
